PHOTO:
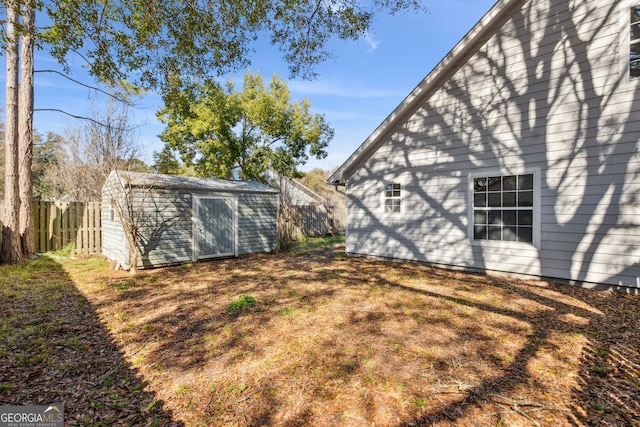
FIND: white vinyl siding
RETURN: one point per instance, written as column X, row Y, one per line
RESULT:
column 545, row 94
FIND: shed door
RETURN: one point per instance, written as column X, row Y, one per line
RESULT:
column 214, row 231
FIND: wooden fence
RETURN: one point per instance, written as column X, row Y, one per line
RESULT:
column 74, row 225
column 314, row 221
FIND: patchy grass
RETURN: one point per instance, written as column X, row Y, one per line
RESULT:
column 327, row 340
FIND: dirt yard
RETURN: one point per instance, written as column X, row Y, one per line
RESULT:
column 314, row 338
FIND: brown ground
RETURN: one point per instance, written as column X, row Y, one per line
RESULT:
column 329, row 341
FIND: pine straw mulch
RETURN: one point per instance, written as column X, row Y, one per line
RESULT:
column 329, row 340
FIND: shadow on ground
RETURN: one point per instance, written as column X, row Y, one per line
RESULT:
column 347, row 341
column 53, row 349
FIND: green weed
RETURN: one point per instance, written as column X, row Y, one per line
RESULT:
column 242, row 304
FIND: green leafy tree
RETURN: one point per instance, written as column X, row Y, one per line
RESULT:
column 216, row 128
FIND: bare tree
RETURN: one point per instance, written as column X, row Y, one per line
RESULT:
column 89, row 153
column 127, row 195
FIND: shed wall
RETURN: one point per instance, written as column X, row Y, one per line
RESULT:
column 549, row 93
column 257, row 222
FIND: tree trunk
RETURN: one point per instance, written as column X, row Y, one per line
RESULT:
column 25, row 156
column 11, row 245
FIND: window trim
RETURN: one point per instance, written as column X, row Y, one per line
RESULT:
column 624, row 45
column 398, row 198
column 536, row 226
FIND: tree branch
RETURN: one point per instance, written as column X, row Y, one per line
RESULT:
column 117, row 98
column 55, row 110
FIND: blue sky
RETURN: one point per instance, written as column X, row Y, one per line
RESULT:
column 355, row 91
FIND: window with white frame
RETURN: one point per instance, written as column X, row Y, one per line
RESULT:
column 503, row 208
column 392, row 197
column 634, row 41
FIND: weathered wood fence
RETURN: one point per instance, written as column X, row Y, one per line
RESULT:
column 314, row 221
column 73, row 225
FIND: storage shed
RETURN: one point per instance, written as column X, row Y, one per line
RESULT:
column 186, row 219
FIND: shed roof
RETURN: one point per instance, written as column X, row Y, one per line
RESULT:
column 137, row 179
column 434, row 80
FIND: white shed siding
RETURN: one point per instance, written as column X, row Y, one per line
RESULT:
column 545, row 92
column 114, row 245
column 166, row 235
column 257, row 223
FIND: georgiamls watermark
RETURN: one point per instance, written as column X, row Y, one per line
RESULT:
column 32, row 416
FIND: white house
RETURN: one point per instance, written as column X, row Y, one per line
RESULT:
column 518, row 154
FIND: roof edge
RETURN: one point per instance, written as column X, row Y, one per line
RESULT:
column 464, row 47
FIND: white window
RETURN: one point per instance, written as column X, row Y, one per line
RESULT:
column 392, row 197
column 503, row 208
column 634, row 41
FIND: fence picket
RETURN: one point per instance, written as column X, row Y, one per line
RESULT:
column 58, row 224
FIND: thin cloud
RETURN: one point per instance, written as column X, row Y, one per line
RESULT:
column 339, row 89
column 371, row 41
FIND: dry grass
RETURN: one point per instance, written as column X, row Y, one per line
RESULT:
column 319, row 339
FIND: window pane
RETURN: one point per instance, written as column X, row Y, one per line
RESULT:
column 634, row 50
column 495, row 183
column 525, row 198
column 388, row 194
column 480, row 232
column 635, row 32
column 635, row 14
column 509, row 198
column 495, row 200
column 509, row 182
column 510, row 234
column 480, row 200
column 388, row 205
column 509, row 217
column 634, row 69
column 525, row 218
column 495, row 233
column 525, row 234
column 388, row 187
column 480, row 184
column 525, row 182
column 479, row 217
column 495, row 217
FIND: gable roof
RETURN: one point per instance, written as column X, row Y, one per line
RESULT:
column 433, row 81
column 172, row 182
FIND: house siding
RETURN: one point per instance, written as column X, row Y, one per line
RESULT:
column 546, row 92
